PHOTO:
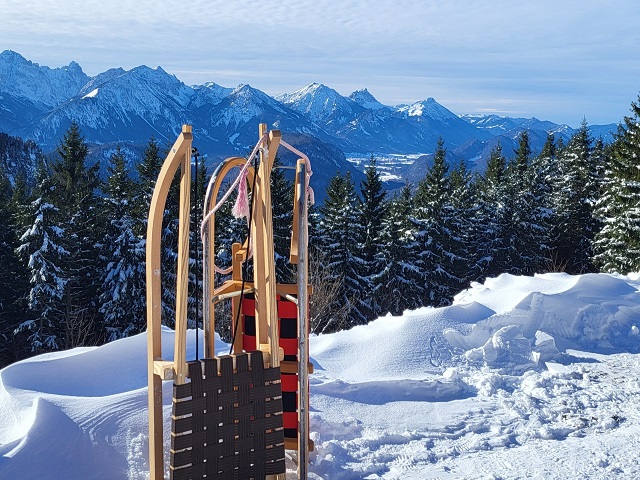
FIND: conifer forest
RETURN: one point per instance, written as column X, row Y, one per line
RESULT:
column 72, row 244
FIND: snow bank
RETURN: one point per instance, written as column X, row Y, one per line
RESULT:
column 511, row 368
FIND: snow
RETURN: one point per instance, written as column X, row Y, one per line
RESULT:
column 92, row 94
column 522, row 377
column 427, row 108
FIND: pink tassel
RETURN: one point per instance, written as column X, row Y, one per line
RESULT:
column 241, row 207
column 312, row 196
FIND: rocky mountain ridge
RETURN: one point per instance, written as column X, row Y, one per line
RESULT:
column 129, row 106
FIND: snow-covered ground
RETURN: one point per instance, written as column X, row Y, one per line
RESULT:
column 523, row 377
column 389, row 166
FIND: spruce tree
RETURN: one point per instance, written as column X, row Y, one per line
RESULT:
column 544, row 171
column 491, row 253
column 462, row 213
column 148, row 170
column 122, row 291
column 576, row 225
column 41, row 250
column 342, row 240
column 617, row 243
column 74, row 189
column 401, row 282
column 13, row 275
column 373, row 210
column 527, row 232
column 433, row 232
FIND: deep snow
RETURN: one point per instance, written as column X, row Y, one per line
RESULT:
column 522, row 377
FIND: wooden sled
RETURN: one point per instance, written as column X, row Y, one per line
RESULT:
column 227, row 417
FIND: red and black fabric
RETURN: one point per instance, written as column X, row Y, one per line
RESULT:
column 288, row 322
column 288, row 328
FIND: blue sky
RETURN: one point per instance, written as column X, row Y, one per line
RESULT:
column 557, row 60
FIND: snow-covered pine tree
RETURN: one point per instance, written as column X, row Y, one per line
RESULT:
column 543, row 172
column 122, row 292
column 401, row 282
column 13, row 274
column 342, row 239
column 148, row 170
column 575, row 226
column 373, row 210
column 74, row 191
column 491, row 258
column 463, row 208
column 433, row 231
column 527, row 232
column 41, row 251
column 617, row 244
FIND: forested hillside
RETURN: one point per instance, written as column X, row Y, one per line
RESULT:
column 72, row 246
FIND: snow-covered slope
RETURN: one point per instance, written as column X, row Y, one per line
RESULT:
column 128, row 107
column 121, row 106
column 322, row 105
column 434, row 120
column 510, row 127
column 364, row 98
column 40, row 85
column 522, row 377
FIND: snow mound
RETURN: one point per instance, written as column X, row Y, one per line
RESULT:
column 537, row 373
column 539, row 318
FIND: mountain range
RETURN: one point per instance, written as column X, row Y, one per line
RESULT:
column 127, row 107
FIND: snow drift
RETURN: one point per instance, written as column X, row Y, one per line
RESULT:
column 485, row 388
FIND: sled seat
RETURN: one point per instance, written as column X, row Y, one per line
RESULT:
column 227, row 421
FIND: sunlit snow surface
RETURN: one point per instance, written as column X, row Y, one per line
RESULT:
column 523, row 377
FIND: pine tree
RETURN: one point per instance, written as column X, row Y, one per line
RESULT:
column 433, row 232
column 527, row 241
column 576, row 225
column 617, row 243
column 342, row 239
column 544, row 171
column 373, row 210
column 401, row 282
column 13, row 274
column 122, row 291
column 462, row 214
column 491, row 253
column 74, row 188
column 148, row 170
column 41, row 251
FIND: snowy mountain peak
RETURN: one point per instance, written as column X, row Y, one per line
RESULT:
column 313, row 89
column 40, row 85
column 428, row 108
column 321, row 104
column 209, row 93
column 247, row 93
column 73, row 67
column 364, row 98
